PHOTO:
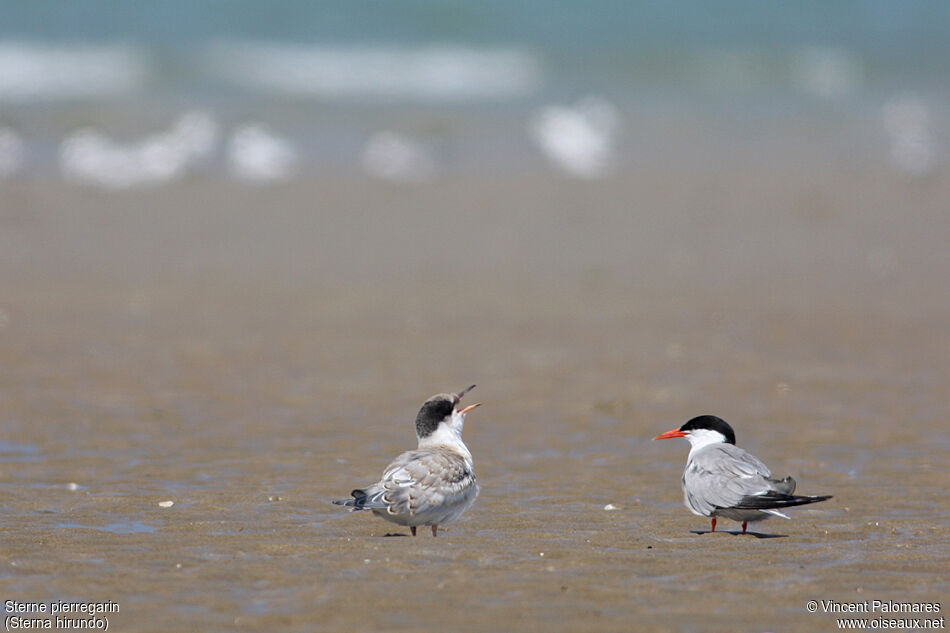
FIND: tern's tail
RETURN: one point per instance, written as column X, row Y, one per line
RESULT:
column 363, row 500
column 774, row 500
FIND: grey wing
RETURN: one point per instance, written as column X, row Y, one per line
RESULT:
column 380, row 496
column 418, row 481
column 723, row 475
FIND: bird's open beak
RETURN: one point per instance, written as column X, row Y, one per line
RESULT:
column 464, row 391
column 469, row 408
column 670, row 434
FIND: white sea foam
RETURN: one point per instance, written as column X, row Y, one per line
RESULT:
column 257, row 155
column 11, row 152
column 580, row 139
column 826, row 71
column 32, row 71
column 913, row 147
column 395, row 157
column 196, row 135
column 817, row 71
column 89, row 157
column 442, row 73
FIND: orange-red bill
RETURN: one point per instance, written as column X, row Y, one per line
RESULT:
column 469, row 408
column 670, row 434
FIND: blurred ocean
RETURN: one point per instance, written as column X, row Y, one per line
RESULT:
column 141, row 92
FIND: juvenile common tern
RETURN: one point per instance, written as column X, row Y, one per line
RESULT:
column 723, row 480
column 432, row 485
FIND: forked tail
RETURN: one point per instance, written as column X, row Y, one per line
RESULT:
column 362, row 501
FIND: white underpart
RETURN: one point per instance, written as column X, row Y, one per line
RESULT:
column 448, row 434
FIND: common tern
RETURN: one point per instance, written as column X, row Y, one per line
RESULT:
column 432, row 485
column 723, row 480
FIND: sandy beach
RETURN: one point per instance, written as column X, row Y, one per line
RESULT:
column 253, row 353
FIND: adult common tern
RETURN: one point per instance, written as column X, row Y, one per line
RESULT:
column 723, row 480
column 432, row 485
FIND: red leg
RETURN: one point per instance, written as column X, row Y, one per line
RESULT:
column 412, row 529
column 744, row 524
column 435, row 530
column 713, row 525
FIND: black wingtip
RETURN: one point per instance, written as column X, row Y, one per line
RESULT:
column 357, row 502
column 359, row 498
column 775, row 500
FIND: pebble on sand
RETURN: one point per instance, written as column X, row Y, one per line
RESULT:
column 166, row 504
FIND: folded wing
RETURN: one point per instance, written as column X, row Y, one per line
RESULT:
column 726, row 476
column 416, row 482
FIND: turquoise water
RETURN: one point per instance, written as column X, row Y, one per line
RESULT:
column 463, row 79
column 514, row 50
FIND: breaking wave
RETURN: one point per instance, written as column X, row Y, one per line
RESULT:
column 442, row 73
column 32, row 71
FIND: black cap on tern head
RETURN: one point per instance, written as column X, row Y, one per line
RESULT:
column 433, row 411
column 711, row 423
column 437, row 409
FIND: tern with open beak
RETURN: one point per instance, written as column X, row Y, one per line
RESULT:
column 723, row 480
column 432, row 485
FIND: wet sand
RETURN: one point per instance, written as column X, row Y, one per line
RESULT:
column 252, row 354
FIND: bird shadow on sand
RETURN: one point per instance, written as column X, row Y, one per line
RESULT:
column 387, row 534
column 738, row 533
